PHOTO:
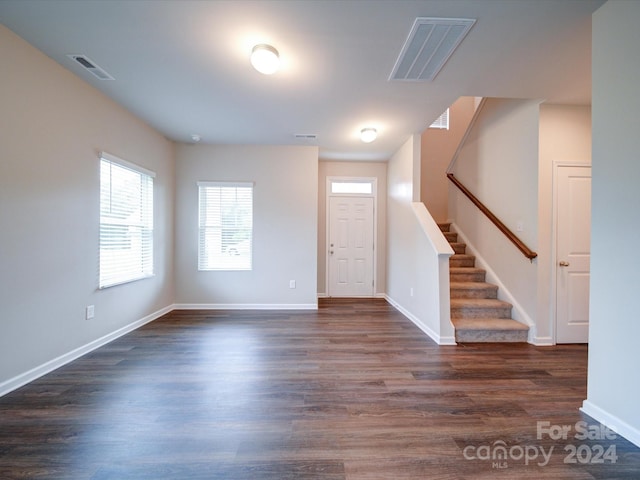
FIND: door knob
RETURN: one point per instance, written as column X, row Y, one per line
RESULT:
column 563, row 263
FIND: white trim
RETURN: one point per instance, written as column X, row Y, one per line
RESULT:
column 517, row 313
column 543, row 341
column 47, row 367
column 225, row 184
column 611, row 421
column 129, row 165
column 433, row 335
column 245, row 306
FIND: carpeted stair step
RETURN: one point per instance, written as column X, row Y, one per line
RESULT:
column 466, row 274
column 473, row 290
column 458, row 247
column 462, row 260
column 450, row 236
column 489, row 330
column 476, row 313
column 480, row 308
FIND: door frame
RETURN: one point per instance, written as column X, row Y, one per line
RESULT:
column 554, row 242
column 374, row 194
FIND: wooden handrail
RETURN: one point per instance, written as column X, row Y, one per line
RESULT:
column 501, row 226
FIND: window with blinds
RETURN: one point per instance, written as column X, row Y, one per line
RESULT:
column 442, row 121
column 225, row 226
column 126, row 221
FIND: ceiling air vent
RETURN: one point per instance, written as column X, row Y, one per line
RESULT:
column 306, row 136
column 429, row 45
column 91, row 66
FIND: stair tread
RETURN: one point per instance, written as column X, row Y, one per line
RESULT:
column 472, row 285
column 478, row 303
column 461, row 255
column 488, row 324
column 466, row 270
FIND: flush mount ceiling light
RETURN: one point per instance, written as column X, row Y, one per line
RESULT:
column 265, row 59
column 368, row 135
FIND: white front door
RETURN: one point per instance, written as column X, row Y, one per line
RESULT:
column 350, row 247
column 573, row 252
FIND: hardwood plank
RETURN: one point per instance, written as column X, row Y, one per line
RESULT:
column 353, row 391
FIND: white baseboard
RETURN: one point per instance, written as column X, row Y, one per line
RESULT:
column 430, row 333
column 611, row 421
column 543, row 341
column 245, row 306
column 375, row 295
column 41, row 370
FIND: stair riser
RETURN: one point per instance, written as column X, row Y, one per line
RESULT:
column 444, row 227
column 467, row 277
column 450, row 236
column 479, row 312
column 486, row 336
column 461, row 262
column 474, row 293
column 459, row 247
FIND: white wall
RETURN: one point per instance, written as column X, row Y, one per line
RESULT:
column 53, row 127
column 285, row 226
column 499, row 165
column 414, row 266
column 437, row 149
column 376, row 170
column 614, row 356
column 565, row 138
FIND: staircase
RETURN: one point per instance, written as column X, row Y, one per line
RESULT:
column 476, row 313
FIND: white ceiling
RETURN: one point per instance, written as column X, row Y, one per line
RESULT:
column 183, row 66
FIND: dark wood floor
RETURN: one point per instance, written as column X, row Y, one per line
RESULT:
column 352, row 391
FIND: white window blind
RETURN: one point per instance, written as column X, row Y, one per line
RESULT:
column 126, row 221
column 225, row 226
column 442, row 121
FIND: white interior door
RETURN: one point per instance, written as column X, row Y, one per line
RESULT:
column 350, row 247
column 573, row 252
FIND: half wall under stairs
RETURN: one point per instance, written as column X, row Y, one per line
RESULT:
column 476, row 313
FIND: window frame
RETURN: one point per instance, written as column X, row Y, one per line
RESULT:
column 442, row 122
column 223, row 261
column 145, row 202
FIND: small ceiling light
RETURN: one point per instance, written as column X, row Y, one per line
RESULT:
column 195, row 137
column 265, row 59
column 368, row 135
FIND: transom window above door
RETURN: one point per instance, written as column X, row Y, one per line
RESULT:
column 350, row 187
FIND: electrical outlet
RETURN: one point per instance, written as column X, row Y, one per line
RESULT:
column 292, row 284
column 90, row 312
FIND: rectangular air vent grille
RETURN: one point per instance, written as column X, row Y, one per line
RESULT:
column 91, row 66
column 429, row 45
